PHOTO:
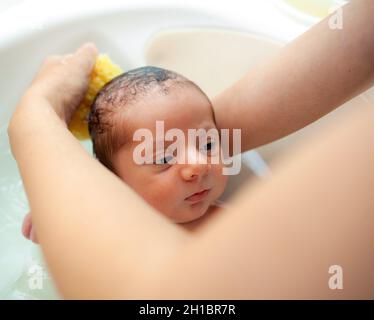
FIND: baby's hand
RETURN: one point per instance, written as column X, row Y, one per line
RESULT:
column 28, row 230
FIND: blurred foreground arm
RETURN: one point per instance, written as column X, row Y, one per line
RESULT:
column 100, row 239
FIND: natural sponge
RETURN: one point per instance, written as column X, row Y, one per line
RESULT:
column 103, row 71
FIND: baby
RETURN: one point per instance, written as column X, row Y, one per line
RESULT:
column 184, row 192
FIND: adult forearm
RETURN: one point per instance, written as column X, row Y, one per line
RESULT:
column 96, row 218
column 313, row 75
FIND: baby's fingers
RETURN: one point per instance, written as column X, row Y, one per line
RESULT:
column 26, row 226
column 28, row 229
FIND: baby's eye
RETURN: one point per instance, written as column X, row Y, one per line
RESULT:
column 209, row 146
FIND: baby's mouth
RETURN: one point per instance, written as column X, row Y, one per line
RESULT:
column 198, row 196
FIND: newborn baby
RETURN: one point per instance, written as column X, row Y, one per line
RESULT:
column 184, row 192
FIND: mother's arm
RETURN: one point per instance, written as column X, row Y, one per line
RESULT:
column 100, row 239
column 310, row 77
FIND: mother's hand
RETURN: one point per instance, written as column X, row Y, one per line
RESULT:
column 63, row 80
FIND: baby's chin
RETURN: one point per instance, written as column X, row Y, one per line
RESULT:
column 192, row 212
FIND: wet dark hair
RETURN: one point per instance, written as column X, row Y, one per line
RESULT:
column 107, row 122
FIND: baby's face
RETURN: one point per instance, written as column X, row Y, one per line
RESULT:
column 172, row 188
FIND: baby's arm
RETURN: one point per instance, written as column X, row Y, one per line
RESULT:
column 308, row 78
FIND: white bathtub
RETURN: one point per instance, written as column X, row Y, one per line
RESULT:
column 125, row 31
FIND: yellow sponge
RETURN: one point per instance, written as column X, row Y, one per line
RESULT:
column 103, row 71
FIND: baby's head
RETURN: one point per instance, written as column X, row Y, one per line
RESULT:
column 136, row 100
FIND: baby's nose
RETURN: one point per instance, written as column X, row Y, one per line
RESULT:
column 193, row 171
column 196, row 165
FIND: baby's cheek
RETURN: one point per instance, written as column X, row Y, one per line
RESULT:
column 161, row 195
column 220, row 179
